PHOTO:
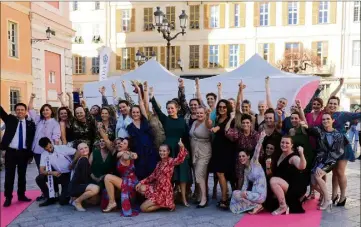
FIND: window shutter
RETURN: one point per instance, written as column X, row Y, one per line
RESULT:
column 118, row 22
column 226, row 56
column 284, row 13
column 314, row 48
column 73, row 64
column 315, row 6
column 231, row 15
column 83, row 65
column 325, row 49
column 118, row 60
column 205, row 56
column 242, row 53
column 206, row 16
column 271, row 53
column 333, row 8
column 155, row 49
column 177, row 55
column 141, row 49
column 162, row 56
column 132, row 21
column 260, row 49
column 222, row 14
column 242, row 16
column 93, row 65
column 302, row 13
column 221, row 56
column 132, row 57
column 256, row 14
column 273, row 13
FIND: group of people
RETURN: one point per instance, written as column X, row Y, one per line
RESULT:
column 133, row 157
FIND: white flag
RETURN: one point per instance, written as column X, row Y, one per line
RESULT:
column 104, row 60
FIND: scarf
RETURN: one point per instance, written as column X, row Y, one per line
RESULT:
column 50, row 179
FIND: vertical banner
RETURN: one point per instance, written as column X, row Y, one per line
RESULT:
column 104, row 60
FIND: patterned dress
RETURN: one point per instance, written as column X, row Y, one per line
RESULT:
column 159, row 188
column 255, row 174
column 84, row 131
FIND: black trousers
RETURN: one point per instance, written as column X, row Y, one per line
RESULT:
column 37, row 158
column 15, row 158
column 63, row 180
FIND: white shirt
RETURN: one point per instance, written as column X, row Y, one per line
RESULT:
column 59, row 159
column 121, row 128
column 15, row 142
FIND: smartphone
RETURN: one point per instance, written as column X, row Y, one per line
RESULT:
column 76, row 97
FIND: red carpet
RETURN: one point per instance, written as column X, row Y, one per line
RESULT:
column 8, row 214
column 312, row 218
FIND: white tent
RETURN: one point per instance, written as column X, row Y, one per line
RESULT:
column 253, row 74
column 165, row 84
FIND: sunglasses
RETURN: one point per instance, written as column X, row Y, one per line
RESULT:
column 222, row 107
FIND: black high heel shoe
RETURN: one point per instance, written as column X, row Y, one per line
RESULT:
column 202, row 206
column 334, row 200
column 341, row 204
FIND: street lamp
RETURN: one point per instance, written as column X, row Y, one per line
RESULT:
column 140, row 58
column 48, row 32
column 165, row 27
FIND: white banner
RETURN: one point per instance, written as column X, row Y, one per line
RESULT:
column 104, row 60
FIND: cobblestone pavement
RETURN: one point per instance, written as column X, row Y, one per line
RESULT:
column 54, row 216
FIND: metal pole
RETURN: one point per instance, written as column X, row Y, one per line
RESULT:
column 168, row 54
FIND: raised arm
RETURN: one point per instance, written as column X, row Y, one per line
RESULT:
column 208, row 122
column 141, row 102
column 181, row 155
column 300, row 110
column 31, row 102
column 308, row 108
column 182, row 97
column 239, row 100
column 63, row 132
column 268, row 93
column 334, row 93
column 258, row 148
column 279, row 122
column 127, row 96
column 299, row 162
column 162, row 117
column 146, row 96
column 3, row 115
column 219, row 88
column 104, row 98
column 32, row 113
column 61, row 99
column 71, row 101
column 198, row 92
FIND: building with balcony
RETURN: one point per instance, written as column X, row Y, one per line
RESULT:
column 221, row 36
column 51, row 57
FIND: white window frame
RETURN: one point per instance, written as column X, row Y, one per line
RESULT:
column 214, row 16
column 356, row 11
column 292, row 13
column 237, row 15
column 125, row 63
column 126, row 20
column 356, row 53
column 319, row 52
column 233, row 55
column 293, row 46
column 52, row 77
column 13, row 42
column 95, row 65
column 213, row 56
column 14, row 101
column 324, row 12
column 78, row 65
column 264, row 14
column 266, row 51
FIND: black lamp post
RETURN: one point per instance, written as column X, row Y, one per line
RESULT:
column 165, row 27
column 48, row 32
column 140, row 58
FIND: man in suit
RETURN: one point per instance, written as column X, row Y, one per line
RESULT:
column 17, row 141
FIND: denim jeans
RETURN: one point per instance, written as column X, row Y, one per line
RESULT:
column 353, row 136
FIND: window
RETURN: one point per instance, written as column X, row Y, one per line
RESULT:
column 148, row 19
column 95, row 65
column 214, row 17
column 79, row 65
column 356, row 53
column 236, row 15
column 194, row 17
column 320, row 49
column 233, row 55
column 213, row 56
column 194, row 57
column 13, row 39
column 75, row 5
column 118, row 62
column 52, row 77
column 266, row 51
column 97, row 5
column 14, row 98
column 357, row 11
column 263, row 14
column 292, row 50
column 78, row 33
column 125, row 58
column 173, row 60
column 170, row 13
column 323, row 12
column 292, row 13
column 126, row 20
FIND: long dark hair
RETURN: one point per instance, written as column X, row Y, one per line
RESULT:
column 228, row 105
column 70, row 115
column 42, row 109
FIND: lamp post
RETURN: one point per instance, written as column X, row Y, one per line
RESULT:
column 48, row 32
column 165, row 27
column 140, row 58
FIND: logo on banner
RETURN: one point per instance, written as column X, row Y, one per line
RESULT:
column 105, row 59
column 104, row 63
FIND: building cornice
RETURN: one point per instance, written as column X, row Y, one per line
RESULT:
column 17, row 7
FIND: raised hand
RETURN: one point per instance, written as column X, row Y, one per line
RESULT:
column 298, row 103
column 267, row 80
column 303, row 124
column 342, row 80
column 197, row 82
column 208, row 112
column 102, row 90
column 32, row 96
column 180, row 82
column 69, row 94
column 279, row 113
column 151, row 92
column 145, row 86
column 180, row 143
column 123, row 84
column 300, row 150
column 114, row 87
column 219, row 85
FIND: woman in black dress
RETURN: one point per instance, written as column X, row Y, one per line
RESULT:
column 288, row 183
column 222, row 161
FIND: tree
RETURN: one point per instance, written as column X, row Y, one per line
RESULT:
column 296, row 61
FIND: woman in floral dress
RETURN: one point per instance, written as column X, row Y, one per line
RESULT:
column 244, row 200
column 157, row 188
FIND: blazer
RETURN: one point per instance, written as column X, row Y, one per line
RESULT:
column 11, row 123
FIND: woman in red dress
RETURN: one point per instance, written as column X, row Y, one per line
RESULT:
column 157, row 188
